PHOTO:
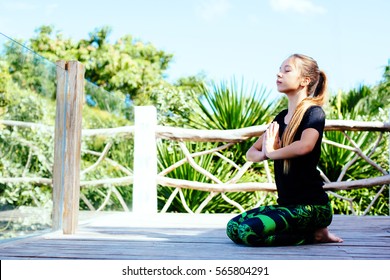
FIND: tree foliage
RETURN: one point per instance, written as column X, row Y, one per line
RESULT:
column 129, row 71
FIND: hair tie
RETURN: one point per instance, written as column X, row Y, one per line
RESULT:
column 319, row 85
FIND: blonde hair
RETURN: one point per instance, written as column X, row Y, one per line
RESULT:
column 316, row 95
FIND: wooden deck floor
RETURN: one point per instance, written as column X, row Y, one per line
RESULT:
column 124, row 236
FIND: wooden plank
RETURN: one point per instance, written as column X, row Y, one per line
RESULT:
column 67, row 150
column 59, row 147
column 73, row 148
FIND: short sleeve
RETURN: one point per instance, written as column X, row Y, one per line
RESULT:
column 280, row 120
column 314, row 118
column 280, row 117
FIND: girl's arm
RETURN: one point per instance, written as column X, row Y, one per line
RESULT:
column 298, row 148
column 256, row 152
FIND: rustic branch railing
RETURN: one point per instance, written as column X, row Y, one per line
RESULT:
column 229, row 138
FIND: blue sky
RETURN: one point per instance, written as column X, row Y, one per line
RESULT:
column 246, row 39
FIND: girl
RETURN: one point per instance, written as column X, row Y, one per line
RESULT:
column 293, row 141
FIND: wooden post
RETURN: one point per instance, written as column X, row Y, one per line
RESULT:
column 145, row 161
column 67, row 146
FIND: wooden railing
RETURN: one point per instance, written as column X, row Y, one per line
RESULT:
column 145, row 162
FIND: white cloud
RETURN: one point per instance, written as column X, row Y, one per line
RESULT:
column 212, row 9
column 299, row 6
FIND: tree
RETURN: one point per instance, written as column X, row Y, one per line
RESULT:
column 127, row 69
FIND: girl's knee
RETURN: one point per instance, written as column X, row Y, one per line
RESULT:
column 247, row 235
column 324, row 216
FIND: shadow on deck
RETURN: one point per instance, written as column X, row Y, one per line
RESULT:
column 124, row 236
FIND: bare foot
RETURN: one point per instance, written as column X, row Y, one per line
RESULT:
column 323, row 235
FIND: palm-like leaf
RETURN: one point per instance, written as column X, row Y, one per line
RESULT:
column 232, row 105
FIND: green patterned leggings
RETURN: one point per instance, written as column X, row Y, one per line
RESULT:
column 279, row 225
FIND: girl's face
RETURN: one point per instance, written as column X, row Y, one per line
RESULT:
column 289, row 78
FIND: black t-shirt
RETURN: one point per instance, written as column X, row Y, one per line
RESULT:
column 303, row 183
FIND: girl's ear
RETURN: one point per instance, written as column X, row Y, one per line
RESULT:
column 305, row 81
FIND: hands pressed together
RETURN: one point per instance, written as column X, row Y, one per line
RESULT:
column 271, row 140
column 263, row 148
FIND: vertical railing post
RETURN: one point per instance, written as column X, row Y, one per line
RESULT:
column 145, row 160
column 67, row 146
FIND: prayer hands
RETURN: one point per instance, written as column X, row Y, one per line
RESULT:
column 271, row 141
